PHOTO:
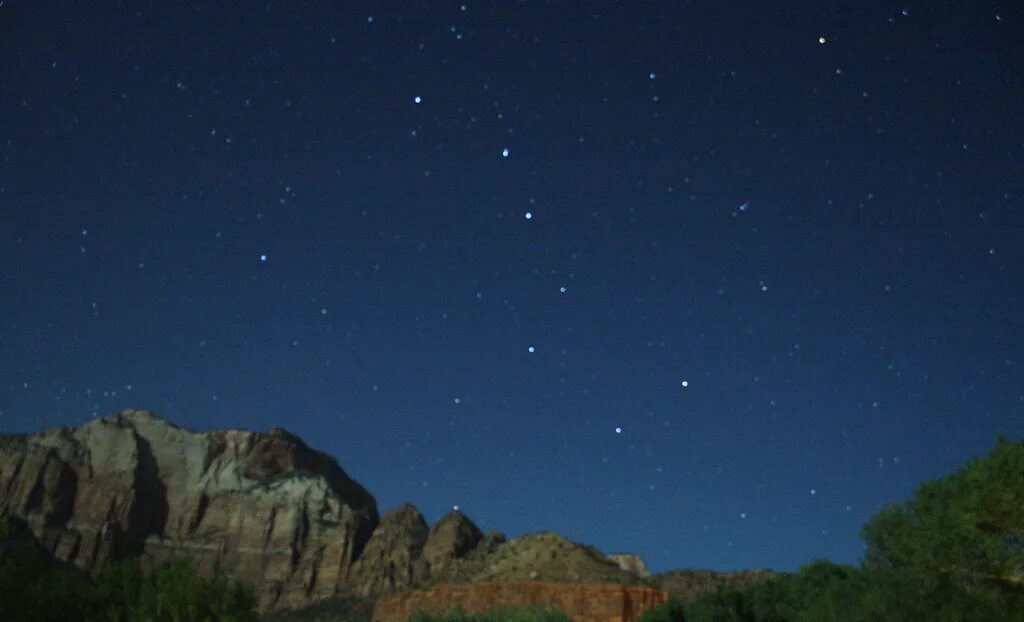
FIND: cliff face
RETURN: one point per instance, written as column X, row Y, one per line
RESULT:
column 583, row 603
column 264, row 508
column 403, row 553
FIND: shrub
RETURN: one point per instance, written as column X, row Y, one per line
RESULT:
column 171, row 592
column 669, row 611
column 35, row 587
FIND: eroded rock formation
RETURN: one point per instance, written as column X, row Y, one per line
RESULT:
column 631, row 562
column 265, row 508
column 582, row 602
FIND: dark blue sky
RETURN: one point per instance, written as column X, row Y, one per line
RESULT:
column 789, row 235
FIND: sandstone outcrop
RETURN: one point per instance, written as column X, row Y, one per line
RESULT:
column 545, row 556
column 285, row 519
column 582, row 602
column 631, row 562
column 453, row 537
column 403, row 553
column 265, row 508
column 391, row 558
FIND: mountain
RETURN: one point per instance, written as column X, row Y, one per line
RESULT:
column 267, row 510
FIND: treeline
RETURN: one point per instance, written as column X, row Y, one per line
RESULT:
column 37, row 588
column 953, row 553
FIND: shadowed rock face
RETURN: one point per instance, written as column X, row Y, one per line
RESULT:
column 264, row 508
column 453, row 537
column 402, row 553
column 391, row 559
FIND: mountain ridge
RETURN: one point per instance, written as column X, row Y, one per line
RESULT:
column 270, row 511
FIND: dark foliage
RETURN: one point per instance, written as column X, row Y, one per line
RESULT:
column 671, row 611
column 953, row 553
column 35, row 588
column 340, row 609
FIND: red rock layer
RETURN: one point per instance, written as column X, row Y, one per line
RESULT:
column 582, row 602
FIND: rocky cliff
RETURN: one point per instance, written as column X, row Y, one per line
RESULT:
column 583, row 603
column 271, row 512
column 265, row 508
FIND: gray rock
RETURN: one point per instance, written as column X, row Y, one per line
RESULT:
column 263, row 508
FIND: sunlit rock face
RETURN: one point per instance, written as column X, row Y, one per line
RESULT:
column 631, row 563
column 262, row 507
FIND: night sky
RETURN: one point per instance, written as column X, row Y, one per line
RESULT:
column 712, row 282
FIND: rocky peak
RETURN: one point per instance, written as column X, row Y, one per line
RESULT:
column 405, row 514
column 451, row 538
column 274, row 513
column 403, row 553
column 389, row 561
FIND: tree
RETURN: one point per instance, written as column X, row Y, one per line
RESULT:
column 669, row 611
column 172, row 592
column 959, row 538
